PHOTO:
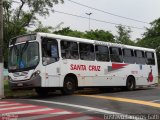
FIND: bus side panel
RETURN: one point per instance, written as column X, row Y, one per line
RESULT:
column 92, row 73
column 53, row 74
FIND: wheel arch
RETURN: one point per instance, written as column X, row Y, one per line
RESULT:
column 130, row 83
column 72, row 75
column 131, row 76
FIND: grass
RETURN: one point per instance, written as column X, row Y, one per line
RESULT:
column 18, row 93
column 7, row 91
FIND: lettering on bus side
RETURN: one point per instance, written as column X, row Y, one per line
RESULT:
column 85, row 68
column 94, row 68
column 78, row 67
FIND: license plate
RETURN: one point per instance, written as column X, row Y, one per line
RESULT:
column 20, row 84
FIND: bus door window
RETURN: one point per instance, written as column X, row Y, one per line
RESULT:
column 116, row 54
column 150, row 59
column 49, row 51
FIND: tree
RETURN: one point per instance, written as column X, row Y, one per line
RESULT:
column 45, row 29
column 16, row 20
column 123, row 36
column 100, row 35
column 68, row 32
column 151, row 38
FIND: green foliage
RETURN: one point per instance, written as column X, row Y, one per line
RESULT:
column 93, row 34
column 45, row 29
column 68, row 32
column 151, row 38
column 100, row 35
column 154, row 31
column 17, row 19
column 123, row 36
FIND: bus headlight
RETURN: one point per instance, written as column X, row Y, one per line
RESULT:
column 36, row 73
column 9, row 78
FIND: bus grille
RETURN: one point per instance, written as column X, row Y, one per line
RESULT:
column 17, row 74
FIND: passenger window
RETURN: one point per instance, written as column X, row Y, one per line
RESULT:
column 102, row 53
column 128, row 56
column 116, row 54
column 49, row 51
column 86, row 51
column 69, row 50
column 140, row 57
column 150, row 59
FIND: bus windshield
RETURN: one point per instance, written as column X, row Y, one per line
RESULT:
column 23, row 56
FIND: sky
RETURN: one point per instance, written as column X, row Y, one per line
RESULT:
column 143, row 10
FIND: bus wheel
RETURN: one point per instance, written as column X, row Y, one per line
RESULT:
column 42, row 92
column 130, row 85
column 69, row 86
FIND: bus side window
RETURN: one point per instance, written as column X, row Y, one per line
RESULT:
column 102, row 53
column 128, row 56
column 87, row 51
column 150, row 59
column 69, row 50
column 49, row 51
column 116, row 54
column 140, row 57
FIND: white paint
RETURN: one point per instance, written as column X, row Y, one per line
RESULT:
column 5, row 105
column 81, row 118
column 87, row 108
column 3, row 102
column 45, row 115
column 155, row 101
column 30, row 111
column 1, row 81
column 11, row 108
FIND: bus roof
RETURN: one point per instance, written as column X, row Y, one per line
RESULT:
column 62, row 37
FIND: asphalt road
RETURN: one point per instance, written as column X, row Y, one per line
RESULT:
column 94, row 104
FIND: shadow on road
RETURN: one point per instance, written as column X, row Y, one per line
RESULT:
column 86, row 91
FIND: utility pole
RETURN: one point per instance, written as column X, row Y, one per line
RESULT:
column 1, row 51
column 89, row 14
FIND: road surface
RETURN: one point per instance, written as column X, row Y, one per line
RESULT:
column 86, row 105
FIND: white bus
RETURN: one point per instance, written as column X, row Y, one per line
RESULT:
column 47, row 61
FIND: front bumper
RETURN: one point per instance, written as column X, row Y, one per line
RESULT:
column 25, row 84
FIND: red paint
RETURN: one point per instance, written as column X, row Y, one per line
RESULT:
column 94, row 68
column 40, row 113
column 20, row 109
column 85, row 68
column 78, row 67
column 118, row 66
column 150, row 77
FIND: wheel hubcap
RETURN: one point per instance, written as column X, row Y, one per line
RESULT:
column 69, row 85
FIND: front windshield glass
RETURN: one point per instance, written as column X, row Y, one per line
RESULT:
column 23, row 56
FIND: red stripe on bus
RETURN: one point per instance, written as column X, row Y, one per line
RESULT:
column 118, row 66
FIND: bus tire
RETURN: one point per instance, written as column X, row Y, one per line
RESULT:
column 42, row 92
column 130, row 84
column 69, row 86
